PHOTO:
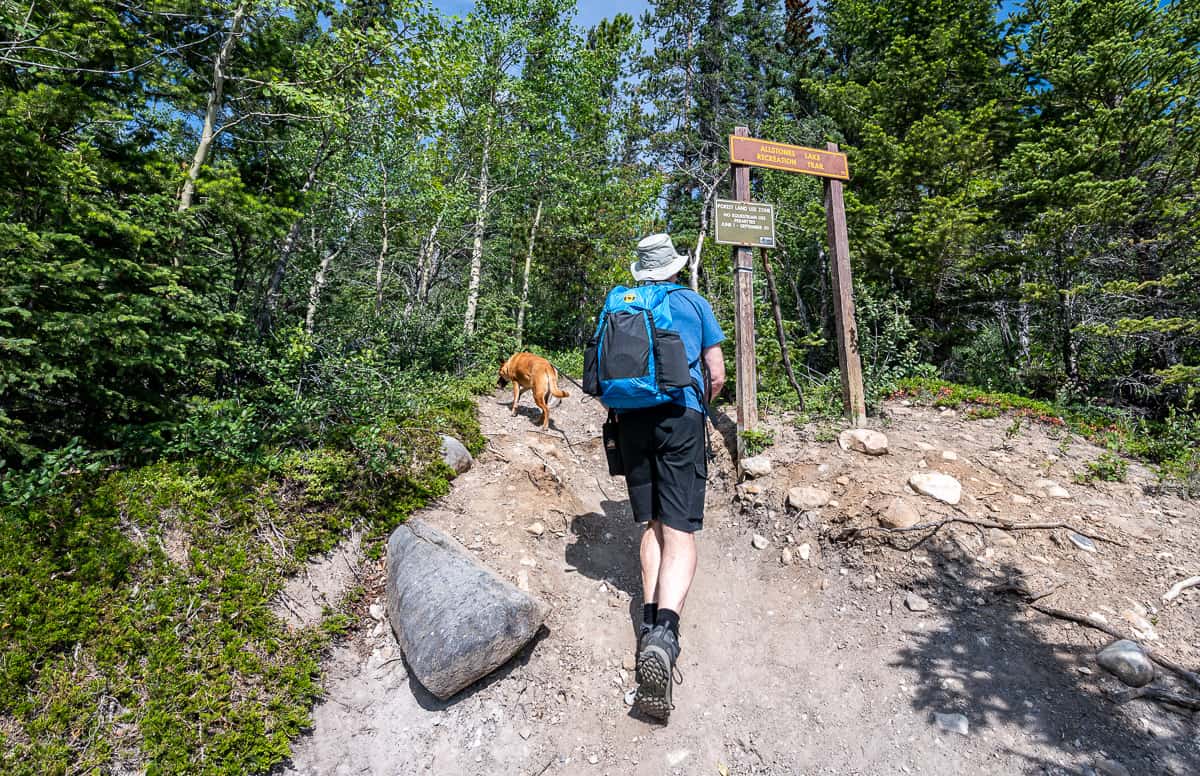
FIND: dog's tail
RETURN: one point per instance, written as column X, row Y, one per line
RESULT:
column 552, row 389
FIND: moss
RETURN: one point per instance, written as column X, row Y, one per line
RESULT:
column 136, row 623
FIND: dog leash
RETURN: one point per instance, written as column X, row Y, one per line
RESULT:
column 586, row 396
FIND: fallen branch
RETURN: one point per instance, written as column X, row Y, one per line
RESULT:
column 1191, row 677
column 1021, row 588
column 1154, row 694
column 933, row 528
column 1179, row 587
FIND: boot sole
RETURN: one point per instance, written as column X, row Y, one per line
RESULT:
column 654, row 683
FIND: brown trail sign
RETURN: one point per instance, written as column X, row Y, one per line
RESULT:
column 831, row 165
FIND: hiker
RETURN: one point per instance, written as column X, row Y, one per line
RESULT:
column 657, row 407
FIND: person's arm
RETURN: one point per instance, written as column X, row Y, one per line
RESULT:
column 714, row 362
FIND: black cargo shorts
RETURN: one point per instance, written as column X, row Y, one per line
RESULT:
column 666, row 464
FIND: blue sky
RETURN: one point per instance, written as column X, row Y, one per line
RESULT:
column 589, row 12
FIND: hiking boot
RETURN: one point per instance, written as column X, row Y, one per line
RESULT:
column 655, row 667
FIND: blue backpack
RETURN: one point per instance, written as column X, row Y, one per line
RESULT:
column 636, row 357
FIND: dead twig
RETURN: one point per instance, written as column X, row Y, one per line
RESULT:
column 1179, row 587
column 545, row 767
column 1191, row 677
column 1020, row 587
column 1154, row 694
column 549, row 468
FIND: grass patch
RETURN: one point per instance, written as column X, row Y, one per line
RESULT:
column 757, row 440
column 136, row 621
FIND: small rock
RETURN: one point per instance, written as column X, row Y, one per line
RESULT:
column 864, row 440
column 785, row 557
column 536, row 528
column 593, row 759
column 1020, row 500
column 804, row 551
column 1142, row 628
column 677, row 757
column 760, row 542
column 1052, row 488
column 629, row 663
column 526, row 733
column 949, row 455
column 936, row 485
column 915, row 603
column 947, row 413
column 953, row 723
column 1111, row 768
column 843, row 480
column 899, row 514
column 1082, row 542
column 807, row 498
column 629, row 696
column 1125, row 660
column 924, row 447
column 755, row 466
column 1001, row 538
column 455, row 455
column 377, row 612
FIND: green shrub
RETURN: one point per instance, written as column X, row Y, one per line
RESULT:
column 757, row 440
column 1107, row 467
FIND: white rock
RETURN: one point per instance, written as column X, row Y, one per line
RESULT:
column 936, row 485
column 755, row 466
column 760, row 542
column 629, row 696
column 677, row 757
column 785, row 557
column 916, row 603
column 376, row 611
column 1052, row 488
column 807, row 498
column 953, row 723
column 1082, row 542
column 1020, row 500
column 949, row 455
column 804, row 551
column 536, row 528
column 1141, row 626
column 593, row 759
column 899, row 514
column 924, row 447
column 864, row 440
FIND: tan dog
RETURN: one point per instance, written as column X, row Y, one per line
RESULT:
column 528, row 372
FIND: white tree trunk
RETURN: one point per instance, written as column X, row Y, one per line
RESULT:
column 477, row 240
column 537, row 219
column 314, row 290
column 383, row 248
column 208, row 130
column 425, row 260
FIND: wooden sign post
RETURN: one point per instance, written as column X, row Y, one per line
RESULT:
column 849, row 362
column 743, row 306
column 831, row 165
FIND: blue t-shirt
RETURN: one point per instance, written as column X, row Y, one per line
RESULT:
column 698, row 328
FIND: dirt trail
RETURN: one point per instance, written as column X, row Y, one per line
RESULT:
column 811, row 668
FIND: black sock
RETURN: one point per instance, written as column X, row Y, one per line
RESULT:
column 670, row 619
column 649, row 614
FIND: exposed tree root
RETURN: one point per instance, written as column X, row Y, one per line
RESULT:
column 1154, row 694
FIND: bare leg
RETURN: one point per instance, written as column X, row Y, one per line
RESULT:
column 651, row 560
column 677, row 568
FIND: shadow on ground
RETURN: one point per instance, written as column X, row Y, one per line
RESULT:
column 997, row 663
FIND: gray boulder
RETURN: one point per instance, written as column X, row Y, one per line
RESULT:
column 456, row 621
column 456, row 455
column 1126, row 660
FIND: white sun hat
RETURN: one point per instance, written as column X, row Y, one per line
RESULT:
column 657, row 259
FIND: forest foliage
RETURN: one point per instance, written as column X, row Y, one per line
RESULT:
column 251, row 249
